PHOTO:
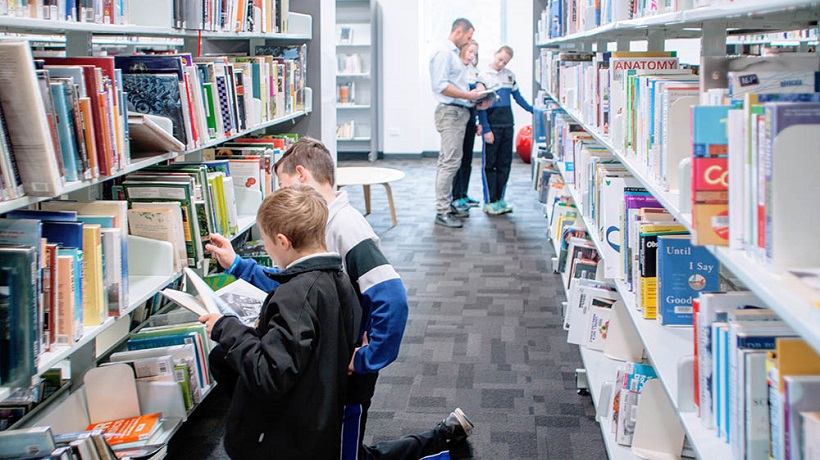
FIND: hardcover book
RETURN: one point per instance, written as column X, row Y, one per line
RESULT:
column 19, row 336
column 684, row 271
column 156, row 94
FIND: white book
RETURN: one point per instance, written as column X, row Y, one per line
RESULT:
column 811, row 434
column 25, row 117
column 160, row 221
column 239, row 298
column 737, row 177
column 756, row 404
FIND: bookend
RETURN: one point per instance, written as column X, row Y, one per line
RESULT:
column 161, row 262
column 658, row 431
column 686, row 384
column 623, row 342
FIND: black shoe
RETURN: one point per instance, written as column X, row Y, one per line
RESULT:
column 460, row 213
column 448, row 220
column 455, row 427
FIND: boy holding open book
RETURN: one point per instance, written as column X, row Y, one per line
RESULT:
column 292, row 367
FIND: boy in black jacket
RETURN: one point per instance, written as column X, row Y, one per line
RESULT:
column 292, row 367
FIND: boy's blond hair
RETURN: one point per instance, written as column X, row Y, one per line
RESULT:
column 299, row 213
column 312, row 155
column 505, row 49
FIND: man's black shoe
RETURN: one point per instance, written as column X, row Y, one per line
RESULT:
column 448, row 220
column 455, row 427
column 460, row 213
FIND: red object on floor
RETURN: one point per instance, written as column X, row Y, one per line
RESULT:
column 523, row 143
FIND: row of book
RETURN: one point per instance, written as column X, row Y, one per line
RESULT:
column 733, row 136
column 753, row 385
column 77, row 119
column 261, row 16
column 22, row 400
column 41, row 443
column 567, row 17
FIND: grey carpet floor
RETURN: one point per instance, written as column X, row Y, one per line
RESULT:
column 484, row 331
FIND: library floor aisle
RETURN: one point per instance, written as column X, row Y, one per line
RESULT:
column 484, row 331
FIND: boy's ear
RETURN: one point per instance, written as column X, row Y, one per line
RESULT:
column 304, row 174
column 283, row 241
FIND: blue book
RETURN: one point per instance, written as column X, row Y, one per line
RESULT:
column 65, row 133
column 709, row 135
column 71, row 14
column 147, row 63
column 156, row 94
column 77, row 256
column 683, row 271
column 639, row 374
column 66, row 216
column 19, row 334
column 66, row 234
column 102, row 221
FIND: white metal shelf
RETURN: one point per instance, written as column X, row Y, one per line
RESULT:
column 665, row 347
column 42, row 26
column 796, row 311
column 600, row 369
column 353, row 75
column 751, row 14
column 137, row 164
column 354, row 139
column 351, row 106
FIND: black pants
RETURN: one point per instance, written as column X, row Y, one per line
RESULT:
column 360, row 388
column 461, row 182
column 497, row 163
column 429, row 445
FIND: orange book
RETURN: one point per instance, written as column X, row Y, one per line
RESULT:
column 128, row 430
column 65, row 300
column 86, row 120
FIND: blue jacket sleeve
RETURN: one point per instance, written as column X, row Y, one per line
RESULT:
column 387, row 303
column 521, row 101
column 483, row 121
column 250, row 271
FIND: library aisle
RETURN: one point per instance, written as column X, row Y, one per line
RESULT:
column 484, row 331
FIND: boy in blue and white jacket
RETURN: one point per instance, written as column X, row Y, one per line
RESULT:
column 381, row 293
column 498, row 127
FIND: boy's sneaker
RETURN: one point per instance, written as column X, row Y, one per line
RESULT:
column 462, row 213
column 460, row 204
column 492, row 208
column 455, row 427
column 472, row 202
column 448, row 220
column 503, row 206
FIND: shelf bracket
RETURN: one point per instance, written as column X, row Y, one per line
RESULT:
column 656, row 40
column 622, row 43
column 81, row 361
column 601, row 46
column 78, row 43
column 254, row 43
column 713, row 40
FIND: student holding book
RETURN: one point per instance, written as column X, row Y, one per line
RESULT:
column 292, row 367
column 380, row 290
column 461, row 182
column 498, row 128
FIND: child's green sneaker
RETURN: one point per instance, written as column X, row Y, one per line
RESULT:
column 503, row 206
column 492, row 208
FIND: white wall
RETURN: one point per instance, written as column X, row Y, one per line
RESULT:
column 407, row 102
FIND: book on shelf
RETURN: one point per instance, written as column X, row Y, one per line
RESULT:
column 129, row 432
column 646, row 296
column 182, row 355
column 148, row 135
column 26, row 442
column 180, row 334
column 683, row 271
column 20, row 336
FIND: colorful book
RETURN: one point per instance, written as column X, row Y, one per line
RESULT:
column 683, row 272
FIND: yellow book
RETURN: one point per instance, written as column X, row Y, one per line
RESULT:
column 219, row 199
column 95, row 310
column 648, row 269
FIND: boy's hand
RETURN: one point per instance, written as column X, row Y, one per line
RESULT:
column 350, row 368
column 478, row 130
column 488, row 137
column 222, row 249
column 209, row 320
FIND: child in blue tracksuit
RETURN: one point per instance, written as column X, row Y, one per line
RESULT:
column 498, row 127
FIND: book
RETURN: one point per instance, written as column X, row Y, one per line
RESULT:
column 811, row 434
column 95, row 308
column 647, row 257
column 792, row 356
column 19, row 335
column 160, row 221
column 129, row 431
column 24, row 115
column 26, row 442
column 799, row 395
column 683, row 271
column 238, row 298
column 147, row 135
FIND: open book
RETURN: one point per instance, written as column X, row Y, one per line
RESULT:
column 487, row 95
column 240, row 298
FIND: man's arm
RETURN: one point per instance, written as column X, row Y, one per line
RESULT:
column 440, row 79
column 452, row 91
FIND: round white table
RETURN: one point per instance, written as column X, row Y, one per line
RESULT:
column 367, row 176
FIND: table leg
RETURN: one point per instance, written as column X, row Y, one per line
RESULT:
column 366, row 198
column 390, row 202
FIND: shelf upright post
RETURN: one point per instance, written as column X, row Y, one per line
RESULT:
column 80, row 361
column 190, row 44
column 601, row 45
column 622, row 43
column 254, row 43
column 78, row 43
column 656, row 40
column 713, row 39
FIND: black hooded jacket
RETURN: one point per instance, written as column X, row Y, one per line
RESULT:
column 292, row 367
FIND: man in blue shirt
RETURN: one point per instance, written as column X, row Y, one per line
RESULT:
column 452, row 92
